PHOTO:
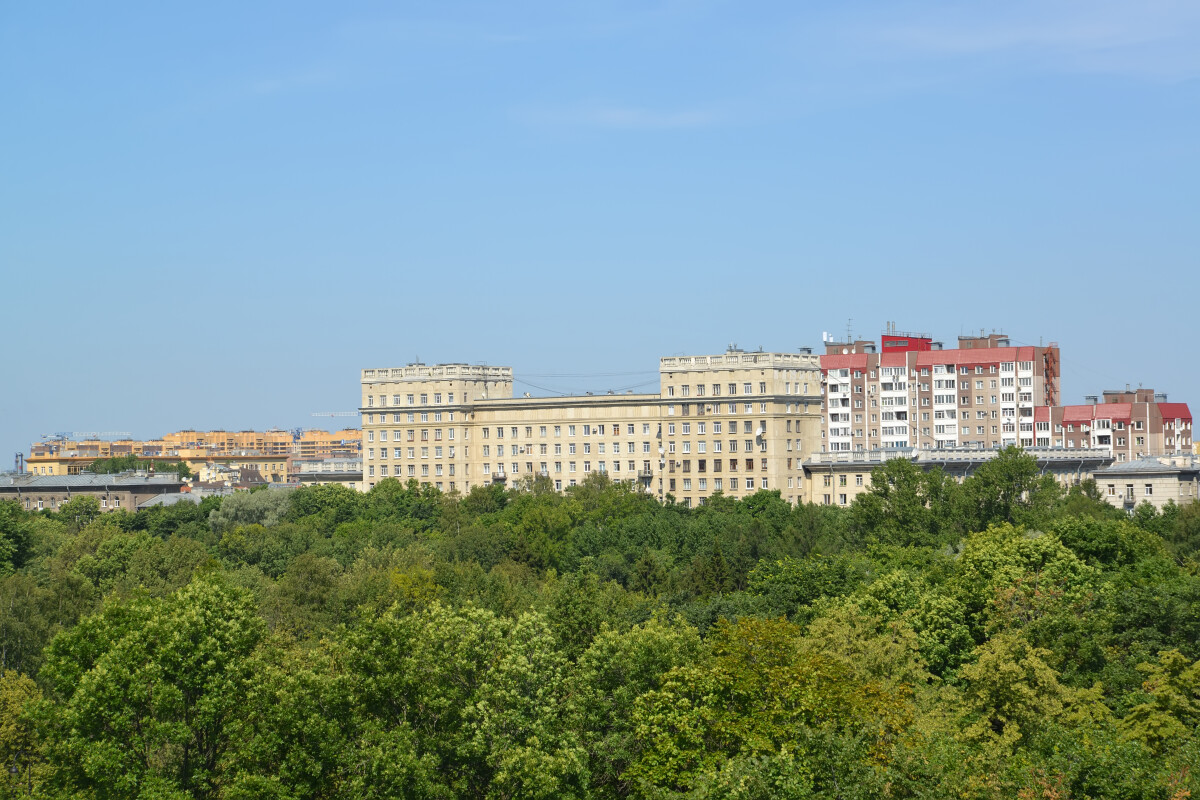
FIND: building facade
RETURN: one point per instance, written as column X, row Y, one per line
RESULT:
column 49, row 492
column 347, row 472
column 1132, row 424
column 1154, row 480
column 734, row 423
column 838, row 478
column 911, row 392
column 269, row 452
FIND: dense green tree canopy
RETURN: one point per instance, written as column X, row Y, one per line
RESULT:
column 996, row 637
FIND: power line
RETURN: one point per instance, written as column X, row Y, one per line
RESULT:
column 588, row 374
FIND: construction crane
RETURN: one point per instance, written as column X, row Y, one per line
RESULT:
column 335, row 413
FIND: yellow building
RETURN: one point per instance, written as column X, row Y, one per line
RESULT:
column 266, row 451
column 734, row 423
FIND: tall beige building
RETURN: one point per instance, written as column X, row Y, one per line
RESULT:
column 734, row 423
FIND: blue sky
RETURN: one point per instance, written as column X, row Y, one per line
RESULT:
column 214, row 215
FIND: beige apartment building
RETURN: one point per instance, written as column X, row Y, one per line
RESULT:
column 734, row 423
column 1154, row 480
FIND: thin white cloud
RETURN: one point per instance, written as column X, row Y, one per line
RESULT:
column 1147, row 39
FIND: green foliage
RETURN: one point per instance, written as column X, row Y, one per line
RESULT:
column 907, row 506
column 1172, row 710
column 146, row 692
column 1008, row 489
column 20, row 761
column 265, row 508
column 758, row 696
column 78, row 512
column 14, row 536
column 616, row 669
column 126, row 463
column 999, row 638
column 791, row 586
column 1009, row 691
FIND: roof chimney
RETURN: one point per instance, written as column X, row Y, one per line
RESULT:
column 1091, row 399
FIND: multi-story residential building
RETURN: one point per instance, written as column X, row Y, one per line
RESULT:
column 733, row 423
column 982, row 394
column 266, row 451
column 1131, row 424
column 312, row 443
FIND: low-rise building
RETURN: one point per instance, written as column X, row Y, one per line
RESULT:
column 1154, row 480
column 310, row 472
column 125, row 491
column 838, row 478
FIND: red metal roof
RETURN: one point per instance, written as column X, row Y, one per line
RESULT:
column 1089, row 412
column 851, row 361
column 1041, row 414
column 982, row 356
column 893, row 359
column 1174, row 411
column 1121, row 411
column 1076, row 414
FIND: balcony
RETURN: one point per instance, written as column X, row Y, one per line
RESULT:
column 499, row 477
column 645, row 474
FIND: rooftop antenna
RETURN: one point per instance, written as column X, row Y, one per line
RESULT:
column 849, row 330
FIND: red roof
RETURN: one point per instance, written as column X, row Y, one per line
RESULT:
column 982, row 356
column 1174, row 411
column 1041, row 414
column 1075, row 414
column 1086, row 413
column 851, row 361
column 1121, row 411
column 893, row 359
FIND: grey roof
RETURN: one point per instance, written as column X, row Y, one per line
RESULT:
column 170, row 500
column 87, row 481
column 1146, row 466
